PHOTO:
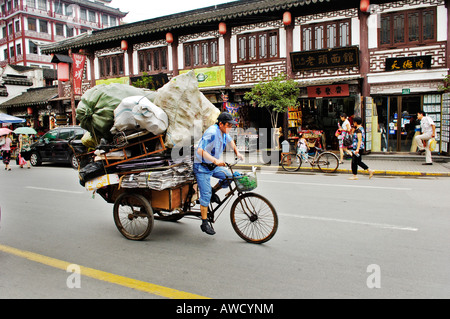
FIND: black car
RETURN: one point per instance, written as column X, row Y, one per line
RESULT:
column 54, row 146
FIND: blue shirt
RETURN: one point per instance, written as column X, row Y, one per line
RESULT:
column 214, row 142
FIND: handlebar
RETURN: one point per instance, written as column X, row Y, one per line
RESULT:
column 230, row 165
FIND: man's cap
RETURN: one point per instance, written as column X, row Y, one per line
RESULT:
column 226, row 118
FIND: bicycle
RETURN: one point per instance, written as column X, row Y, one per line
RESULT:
column 327, row 161
column 252, row 216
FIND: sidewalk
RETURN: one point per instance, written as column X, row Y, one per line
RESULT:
column 387, row 165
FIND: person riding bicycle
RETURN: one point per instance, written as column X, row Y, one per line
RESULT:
column 207, row 163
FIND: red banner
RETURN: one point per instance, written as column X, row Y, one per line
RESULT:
column 328, row 90
column 78, row 69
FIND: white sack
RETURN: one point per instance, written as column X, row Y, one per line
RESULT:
column 190, row 113
column 137, row 113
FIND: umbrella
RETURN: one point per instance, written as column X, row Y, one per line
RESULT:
column 5, row 118
column 4, row 131
column 25, row 130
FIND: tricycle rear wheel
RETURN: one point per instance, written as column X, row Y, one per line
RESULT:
column 133, row 216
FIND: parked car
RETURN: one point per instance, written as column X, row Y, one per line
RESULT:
column 54, row 146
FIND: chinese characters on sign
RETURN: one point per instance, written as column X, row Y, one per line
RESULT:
column 347, row 57
column 78, row 69
column 328, row 90
column 408, row 63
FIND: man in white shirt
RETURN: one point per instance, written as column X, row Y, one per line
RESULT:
column 428, row 132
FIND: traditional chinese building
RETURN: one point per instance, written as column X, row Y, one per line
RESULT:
column 26, row 25
column 382, row 60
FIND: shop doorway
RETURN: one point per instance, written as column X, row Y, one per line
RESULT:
column 397, row 123
column 323, row 114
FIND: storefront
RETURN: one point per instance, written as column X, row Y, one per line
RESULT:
column 396, row 120
column 324, row 99
column 318, row 114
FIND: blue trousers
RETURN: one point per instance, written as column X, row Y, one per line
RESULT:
column 203, row 176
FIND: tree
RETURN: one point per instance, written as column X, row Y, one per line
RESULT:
column 275, row 96
column 446, row 87
column 145, row 82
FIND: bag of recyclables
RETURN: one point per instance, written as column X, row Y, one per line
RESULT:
column 135, row 113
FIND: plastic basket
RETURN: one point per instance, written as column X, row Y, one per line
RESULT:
column 246, row 182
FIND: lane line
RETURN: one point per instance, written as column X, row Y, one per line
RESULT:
column 377, row 225
column 103, row 276
column 338, row 185
column 54, row 190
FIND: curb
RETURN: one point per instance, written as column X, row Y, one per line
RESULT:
column 345, row 171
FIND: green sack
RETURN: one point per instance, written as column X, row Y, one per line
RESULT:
column 96, row 108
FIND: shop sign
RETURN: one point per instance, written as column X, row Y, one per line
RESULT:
column 408, row 63
column 207, row 77
column 346, row 57
column 121, row 80
column 328, row 90
column 78, row 69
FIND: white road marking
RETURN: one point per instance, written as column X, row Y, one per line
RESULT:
column 339, row 185
column 377, row 225
column 53, row 190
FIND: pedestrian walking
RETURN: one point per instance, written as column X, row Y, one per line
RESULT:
column 359, row 137
column 208, row 164
column 6, row 151
column 25, row 150
column 343, row 131
column 428, row 129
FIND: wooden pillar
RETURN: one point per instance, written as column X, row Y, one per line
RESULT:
column 130, row 60
column 228, row 69
column 72, row 93
column 174, row 46
column 364, row 57
column 91, row 57
column 289, row 49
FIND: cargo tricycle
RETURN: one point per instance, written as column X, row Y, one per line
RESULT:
column 252, row 216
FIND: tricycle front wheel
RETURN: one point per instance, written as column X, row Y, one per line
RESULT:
column 254, row 218
column 133, row 216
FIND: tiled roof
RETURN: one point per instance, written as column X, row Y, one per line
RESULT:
column 35, row 96
column 229, row 11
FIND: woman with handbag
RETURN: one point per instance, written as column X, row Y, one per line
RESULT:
column 24, row 150
column 344, row 137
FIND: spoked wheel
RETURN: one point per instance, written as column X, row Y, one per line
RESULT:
column 254, row 218
column 133, row 216
column 291, row 162
column 328, row 162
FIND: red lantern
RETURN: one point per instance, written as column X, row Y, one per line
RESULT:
column 124, row 45
column 29, row 110
column 287, row 18
column 169, row 37
column 222, row 28
column 364, row 5
column 63, row 72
